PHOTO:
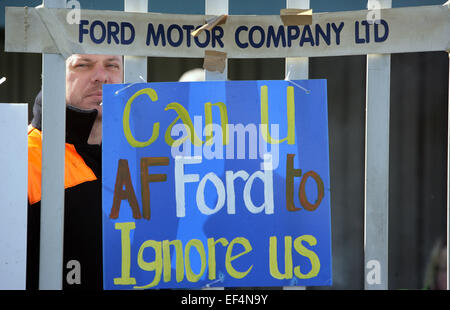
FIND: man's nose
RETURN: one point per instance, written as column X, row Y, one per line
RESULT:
column 100, row 75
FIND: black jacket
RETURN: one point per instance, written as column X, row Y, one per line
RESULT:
column 82, row 212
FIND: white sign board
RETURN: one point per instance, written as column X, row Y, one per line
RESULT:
column 13, row 195
column 401, row 30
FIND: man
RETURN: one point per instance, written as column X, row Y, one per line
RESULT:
column 82, row 258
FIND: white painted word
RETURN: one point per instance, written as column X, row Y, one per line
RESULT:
column 224, row 192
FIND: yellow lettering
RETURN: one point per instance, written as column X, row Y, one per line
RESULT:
column 212, row 256
column 223, row 122
column 161, row 264
column 315, row 262
column 126, row 119
column 190, row 275
column 167, row 260
column 290, row 116
column 155, row 265
column 125, row 278
column 273, row 258
column 186, row 119
column 228, row 258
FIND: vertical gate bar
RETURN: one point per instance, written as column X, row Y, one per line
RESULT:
column 216, row 7
column 13, row 193
column 53, row 151
column 297, row 68
column 376, row 203
column 135, row 66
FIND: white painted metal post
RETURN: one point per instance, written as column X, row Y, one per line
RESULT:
column 13, row 193
column 376, row 204
column 135, row 66
column 216, row 7
column 53, row 150
column 297, row 68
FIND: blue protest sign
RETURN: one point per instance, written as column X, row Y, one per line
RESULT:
column 216, row 184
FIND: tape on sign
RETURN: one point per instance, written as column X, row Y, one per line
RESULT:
column 55, row 29
column 210, row 24
column 292, row 17
column 215, row 61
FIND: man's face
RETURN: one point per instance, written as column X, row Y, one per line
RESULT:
column 85, row 75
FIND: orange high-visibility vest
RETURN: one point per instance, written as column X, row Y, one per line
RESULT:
column 76, row 171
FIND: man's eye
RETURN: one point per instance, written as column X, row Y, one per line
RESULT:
column 114, row 66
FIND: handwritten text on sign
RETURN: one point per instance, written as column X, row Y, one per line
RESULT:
column 216, row 184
